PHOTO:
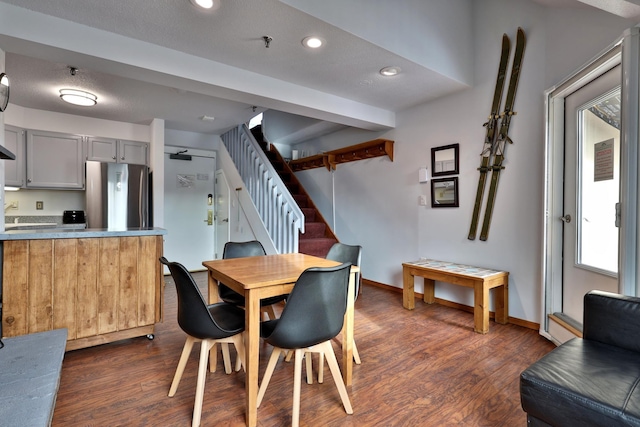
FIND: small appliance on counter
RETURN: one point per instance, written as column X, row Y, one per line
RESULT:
column 73, row 217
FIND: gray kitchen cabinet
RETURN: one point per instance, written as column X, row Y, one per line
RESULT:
column 117, row 150
column 101, row 149
column 14, row 141
column 54, row 160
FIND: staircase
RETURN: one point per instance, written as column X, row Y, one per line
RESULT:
column 281, row 217
column 318, row 236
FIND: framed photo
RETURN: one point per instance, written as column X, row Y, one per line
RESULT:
column 445, row 161
column 444, row 192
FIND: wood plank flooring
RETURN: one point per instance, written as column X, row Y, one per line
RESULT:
column 419, row 368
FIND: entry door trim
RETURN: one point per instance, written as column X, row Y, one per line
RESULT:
column 628, row 232
column 554, row 174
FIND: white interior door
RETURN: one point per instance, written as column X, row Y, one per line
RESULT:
column 223, row 212
column 189, row 210
column 591, row 191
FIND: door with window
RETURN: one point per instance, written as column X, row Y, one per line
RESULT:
column 591, row 192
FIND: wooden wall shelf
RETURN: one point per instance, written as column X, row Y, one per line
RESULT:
column 331, row 159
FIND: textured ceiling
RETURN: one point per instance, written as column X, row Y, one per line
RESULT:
column 346, row 68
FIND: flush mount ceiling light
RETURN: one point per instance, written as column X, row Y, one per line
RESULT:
column 78, row 97
column 312, row 42
column 390, row 71
column 208, row 5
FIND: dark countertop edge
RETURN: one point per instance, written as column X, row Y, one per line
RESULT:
column 62, row 233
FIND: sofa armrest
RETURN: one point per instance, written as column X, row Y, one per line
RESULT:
column 612, row 319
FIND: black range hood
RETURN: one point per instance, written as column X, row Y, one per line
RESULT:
column 6, row 154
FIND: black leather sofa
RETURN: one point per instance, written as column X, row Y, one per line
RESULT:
column 590, row 381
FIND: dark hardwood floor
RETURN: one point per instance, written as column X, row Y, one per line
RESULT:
column 419, row 368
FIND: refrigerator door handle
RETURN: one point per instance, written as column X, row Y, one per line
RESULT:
column 141, row 215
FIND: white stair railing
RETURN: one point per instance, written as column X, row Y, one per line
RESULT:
column 276, row 206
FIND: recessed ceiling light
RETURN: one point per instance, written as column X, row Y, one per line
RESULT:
column 390, row 71
column 209, row 5
column 78, row 97
column 312, row 42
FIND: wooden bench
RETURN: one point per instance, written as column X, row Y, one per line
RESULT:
column 30, row 367
column 480, row 279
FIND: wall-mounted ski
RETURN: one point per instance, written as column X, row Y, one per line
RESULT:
column 490, row 137
column 503, row 135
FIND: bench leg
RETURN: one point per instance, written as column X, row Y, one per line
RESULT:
column 502, row 303
column 408, row 294
column 429, row 291
column 481, row 308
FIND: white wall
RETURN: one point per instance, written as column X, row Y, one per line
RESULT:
column 377, row 200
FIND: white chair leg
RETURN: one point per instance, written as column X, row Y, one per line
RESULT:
column 268, row 309
column 238, row 342
column 297, row 379
column 267, row 374
column 337, row 377
column 202, row 377
column 184, row 357
column 356, row 355
column 320, row 367
column 213, row 358
column 307, row 357
column 225, row 357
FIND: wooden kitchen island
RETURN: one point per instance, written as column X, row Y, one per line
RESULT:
column 101, row 285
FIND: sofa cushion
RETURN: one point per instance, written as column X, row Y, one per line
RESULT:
column 584, row 383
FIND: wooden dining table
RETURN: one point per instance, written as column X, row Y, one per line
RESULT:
column 261, row 277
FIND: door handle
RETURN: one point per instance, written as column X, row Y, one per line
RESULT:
column 225, row 220
column 209, row 219
column 566, row 219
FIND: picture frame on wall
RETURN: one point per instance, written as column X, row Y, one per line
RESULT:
column 445, row 160
column 444, row 192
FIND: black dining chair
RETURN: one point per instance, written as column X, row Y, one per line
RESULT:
column 228, row 295
column 342, row 253
column 208, row 324
column 313, row 315
column 347, row 253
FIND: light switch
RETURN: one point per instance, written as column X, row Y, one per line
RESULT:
column 422, row 200
column 423, row 175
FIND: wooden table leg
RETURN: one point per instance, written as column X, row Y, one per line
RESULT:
column 252, row 344
column 408, row 295
column 481, row 307
column 429, row 291
column 213, row 289
column 347, row 331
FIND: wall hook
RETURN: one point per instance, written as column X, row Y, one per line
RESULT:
column 267, row 41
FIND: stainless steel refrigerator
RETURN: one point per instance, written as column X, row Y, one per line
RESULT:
column 117, row 195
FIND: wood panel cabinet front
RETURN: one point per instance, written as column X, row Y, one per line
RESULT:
column 100, row 289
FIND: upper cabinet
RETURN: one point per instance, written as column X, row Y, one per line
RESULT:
column 117, row 150
column 54, row 160
column 14, row 141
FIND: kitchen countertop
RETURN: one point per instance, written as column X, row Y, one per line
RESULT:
column 70, row 233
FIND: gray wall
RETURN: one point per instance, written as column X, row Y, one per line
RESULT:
column 376, row 200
